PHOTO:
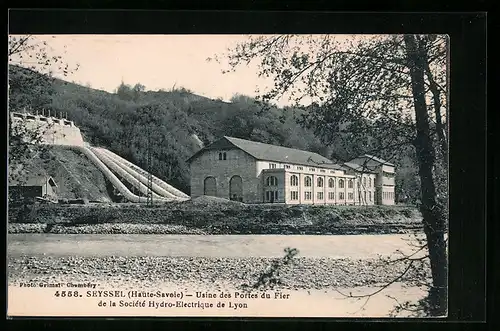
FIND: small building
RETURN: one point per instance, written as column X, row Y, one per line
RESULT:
column 32, row 187
column 254, row 172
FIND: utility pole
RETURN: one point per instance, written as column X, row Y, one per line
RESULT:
column 149, row 169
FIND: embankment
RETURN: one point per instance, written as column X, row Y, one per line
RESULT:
column 205, row 216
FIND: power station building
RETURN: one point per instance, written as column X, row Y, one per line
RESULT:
column 254, row 172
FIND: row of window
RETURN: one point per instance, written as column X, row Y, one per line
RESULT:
column 319, row 195
column 287, row 166
column 294, row 181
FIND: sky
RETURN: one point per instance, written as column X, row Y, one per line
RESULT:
column 155, row 61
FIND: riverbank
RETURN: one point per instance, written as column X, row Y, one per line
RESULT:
column 148, row 272
column 210, row 216
column 323, row 283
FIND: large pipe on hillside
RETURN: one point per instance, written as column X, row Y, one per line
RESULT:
column 167, row 187
column 111, row 177
column 139, row 177
column 128, row 177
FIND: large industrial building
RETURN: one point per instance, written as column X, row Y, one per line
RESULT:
column 254, row 172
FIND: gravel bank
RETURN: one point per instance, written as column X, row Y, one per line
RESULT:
column 305, row 273
column 107, row 228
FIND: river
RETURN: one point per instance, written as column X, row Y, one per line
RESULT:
column 331, row 246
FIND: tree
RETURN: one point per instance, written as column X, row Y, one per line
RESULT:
column 31, row 66
column 384, row 95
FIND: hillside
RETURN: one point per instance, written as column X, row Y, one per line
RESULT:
column 178, row 123
column 76, row 176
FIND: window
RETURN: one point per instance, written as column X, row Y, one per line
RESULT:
column 224, row 155
column 307, row 181
column 322, row 170
column 331, row 182
column 220, row 156
column 287, row 166
column 370, row 195
column 350, row 183
column 320, row 182
column 271, row 181
column 331, row 195
column 341, row 196
column 300, row 168
column 320, row 195
column 312, row 169
column 341, row 183
column 272, row 165
column 369, row 182
column 364, row 182
column 307, row 195
column 365, row 195
column 350, row 196
column 294, row 181
column 295, row 195
column 272, row 196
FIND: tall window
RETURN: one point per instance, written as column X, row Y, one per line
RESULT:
column 364, row 182
column 331, row 195
column 320, row 195
column 271, row 181
column 341, row 196
column 350, row 183
column 350, row 196
column 307, row 181
column 369, row 182
column 370, row 195
column 307, row 195
column 294, row 180
column 341, row 183
column 320, row 182
column 224, row 155
column 220, row 156
column 295, row 195
column 331, row 183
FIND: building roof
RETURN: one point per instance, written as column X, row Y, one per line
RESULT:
column 358, row 167
column 267, row 152
column 376, row 159
column 38, row 180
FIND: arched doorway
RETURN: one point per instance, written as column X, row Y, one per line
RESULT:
column 236, row 188
column 210, row 186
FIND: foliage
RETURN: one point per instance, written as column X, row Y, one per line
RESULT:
column 176, row 120
column 29, row 90
column 379, row 95
column 270, row 277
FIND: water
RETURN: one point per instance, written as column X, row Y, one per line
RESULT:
column 332, row 246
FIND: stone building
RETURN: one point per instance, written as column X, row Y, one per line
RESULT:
column 32, row 187
column 254, row 172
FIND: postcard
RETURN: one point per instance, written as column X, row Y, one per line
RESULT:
column 228, row 175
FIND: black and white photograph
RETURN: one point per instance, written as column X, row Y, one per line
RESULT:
column 228, row 175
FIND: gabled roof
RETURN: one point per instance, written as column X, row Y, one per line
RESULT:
column 267, row 152
column 358, row 167
column 38, row 180
column 376, row 159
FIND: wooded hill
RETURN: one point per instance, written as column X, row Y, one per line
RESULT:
column 176, row 121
